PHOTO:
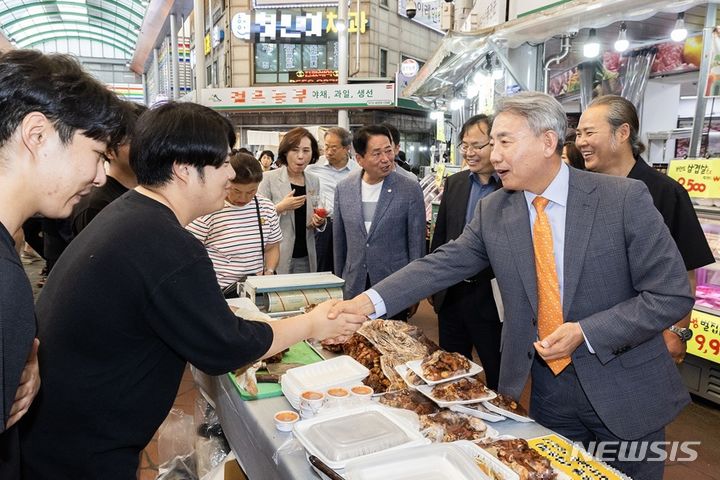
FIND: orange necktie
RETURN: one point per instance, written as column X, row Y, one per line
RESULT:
column 550, row 314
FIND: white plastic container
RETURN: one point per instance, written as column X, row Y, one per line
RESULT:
column 440, row 461
column 335, row 438
column 416, row 366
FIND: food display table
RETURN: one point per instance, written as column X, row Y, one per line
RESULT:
column 249, row 428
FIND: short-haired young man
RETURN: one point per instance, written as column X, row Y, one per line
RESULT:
column 55, row 124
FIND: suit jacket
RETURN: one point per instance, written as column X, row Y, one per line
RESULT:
column 275, row 185
column 625, row 282
column 396, row 236
column 449, row 224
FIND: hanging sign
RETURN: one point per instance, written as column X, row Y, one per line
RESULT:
column 356, row 95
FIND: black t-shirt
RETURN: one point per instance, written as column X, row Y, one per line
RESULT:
column 300, row 247
column 129, row 303
column 17, row 322
column 673, row 203
column 90, row 206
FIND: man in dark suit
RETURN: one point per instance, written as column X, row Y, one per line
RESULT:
column 378, row 219
column 589, row 276
column 467, row 314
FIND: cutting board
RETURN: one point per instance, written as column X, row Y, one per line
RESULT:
column 301, row 353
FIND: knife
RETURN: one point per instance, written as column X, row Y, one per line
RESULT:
column 327, row 471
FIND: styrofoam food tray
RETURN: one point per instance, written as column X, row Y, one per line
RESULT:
column 328, row 373
column 439, row 461
column 507, row 413
column 427, row 391
column 403, row 370
column 416, row 366
column 495, row 467
column 487, row 416
column 336, row 438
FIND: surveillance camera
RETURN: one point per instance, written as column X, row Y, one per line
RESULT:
column 410, row 9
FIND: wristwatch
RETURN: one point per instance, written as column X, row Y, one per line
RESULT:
column 685, row 334
column 270, row 271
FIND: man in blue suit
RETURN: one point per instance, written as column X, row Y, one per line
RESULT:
column 619, row 281
column 378, row 219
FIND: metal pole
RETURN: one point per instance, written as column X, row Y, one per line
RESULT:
column 199, row 18
column 145, row 89
column 343, row 118
column 185, row 58
column 699, row 121
column 156, row 72
column 175, row 54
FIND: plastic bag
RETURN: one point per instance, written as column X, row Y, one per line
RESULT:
column 176, row 436
column 211, row 446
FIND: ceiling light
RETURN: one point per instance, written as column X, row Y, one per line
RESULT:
column 498, row 72
column 679, row 33
column 591, row 49
column 457, row 104
column 479, row 78
column 436, row 115
column 622, row 44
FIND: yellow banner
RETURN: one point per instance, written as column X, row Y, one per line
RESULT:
column 705, row 342
column 440, row 129
column 700, row 177
column 208, row 44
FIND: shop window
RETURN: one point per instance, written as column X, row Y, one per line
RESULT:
column 291, row 40
column 383, row 63
column 208, row 76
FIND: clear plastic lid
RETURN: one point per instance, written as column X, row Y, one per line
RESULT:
column 342, row 438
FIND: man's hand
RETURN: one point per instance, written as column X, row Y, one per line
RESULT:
column 412, row 310
column 360, row 305
column 28, row 388
column 337, row 327
column 561, row 343
column 675, row 346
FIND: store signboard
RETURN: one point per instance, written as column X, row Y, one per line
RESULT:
column 291, row 3
column 428, row 12
column 705, row 342
column 700, row 177
column 292, row 25
column 358, row 95
column 484, row 14
column 314, row 76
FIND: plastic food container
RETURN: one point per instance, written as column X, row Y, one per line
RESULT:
column 440, row 461
column 342, row 371
column 362, row 392
column 416, row 366
column 285, row 419
column 354, row 433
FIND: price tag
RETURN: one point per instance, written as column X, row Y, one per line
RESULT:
column 700, row 177
column 705, row 342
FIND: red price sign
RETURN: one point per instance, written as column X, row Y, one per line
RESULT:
column 700, row 177
column 705, row 342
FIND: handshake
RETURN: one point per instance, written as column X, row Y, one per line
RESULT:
column 334, row 321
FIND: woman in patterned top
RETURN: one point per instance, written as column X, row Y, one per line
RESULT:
column 244, row 237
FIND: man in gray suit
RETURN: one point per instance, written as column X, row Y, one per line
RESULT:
column 378, row 219
column 619, row 281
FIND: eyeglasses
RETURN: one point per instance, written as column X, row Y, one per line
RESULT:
column 466, row 147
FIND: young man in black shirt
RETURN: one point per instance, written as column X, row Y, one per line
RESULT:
column 608, row 138
column 134, row 298
column 55, row 124
column 120, row 177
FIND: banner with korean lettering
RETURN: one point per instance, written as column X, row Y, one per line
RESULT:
column 705, row 342
column 700, row 177
column 358, row 95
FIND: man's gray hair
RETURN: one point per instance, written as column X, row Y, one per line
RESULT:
column 541, row 111
column 344, row 136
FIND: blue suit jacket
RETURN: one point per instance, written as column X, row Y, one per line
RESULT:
column 625, row 282
column 396, row 236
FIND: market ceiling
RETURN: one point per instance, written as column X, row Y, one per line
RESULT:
column 29, row 23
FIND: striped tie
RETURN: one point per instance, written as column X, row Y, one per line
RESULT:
column 550, row 314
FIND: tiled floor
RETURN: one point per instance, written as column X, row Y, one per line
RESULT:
column 698, row 422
